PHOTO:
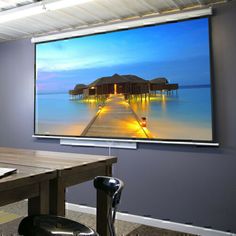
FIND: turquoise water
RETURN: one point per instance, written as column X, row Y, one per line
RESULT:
column 59, row 108
column 185, row 115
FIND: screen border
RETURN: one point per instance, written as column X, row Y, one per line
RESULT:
column 141, row 140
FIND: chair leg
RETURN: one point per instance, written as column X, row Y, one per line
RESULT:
column 110, row 223
column 103, row 203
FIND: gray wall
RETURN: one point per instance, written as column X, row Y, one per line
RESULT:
column 184, row 184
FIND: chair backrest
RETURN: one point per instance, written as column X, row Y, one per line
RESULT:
column 113, row 188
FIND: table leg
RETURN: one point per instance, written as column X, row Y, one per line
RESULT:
column 57, row 197
column 40, row 204
column 103, row 202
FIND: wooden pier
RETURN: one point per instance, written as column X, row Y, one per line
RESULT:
column 116, row 119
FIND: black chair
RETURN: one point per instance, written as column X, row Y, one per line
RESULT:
column 50, row 225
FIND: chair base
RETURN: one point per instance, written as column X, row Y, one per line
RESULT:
column 49, row 225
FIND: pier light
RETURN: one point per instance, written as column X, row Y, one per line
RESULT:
column 115, row 89
column 143, row 121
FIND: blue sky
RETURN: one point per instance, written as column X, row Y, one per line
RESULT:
column 178, row 51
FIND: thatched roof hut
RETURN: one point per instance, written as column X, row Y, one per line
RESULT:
column 134, row 79
column 126, row 84
column 78, row 89
column 117, row 79
column 160, row 84
column 159, row 81
column 79, row 86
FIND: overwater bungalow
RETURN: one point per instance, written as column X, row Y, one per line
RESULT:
column 78, row 89
column 120, row 84
column 162, row 85
column 128, row 85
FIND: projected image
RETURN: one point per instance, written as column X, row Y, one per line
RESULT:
column 146, row 83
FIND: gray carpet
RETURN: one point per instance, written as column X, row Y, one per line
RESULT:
column 123, row 228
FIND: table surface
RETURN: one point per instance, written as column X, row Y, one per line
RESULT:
column 50, row 160
column 70, row 168
column 24, row 175
column 27, row 183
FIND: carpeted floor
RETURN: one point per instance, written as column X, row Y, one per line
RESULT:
column 11, row 215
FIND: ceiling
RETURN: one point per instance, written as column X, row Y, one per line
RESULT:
column 86, row 13
column 6, row 5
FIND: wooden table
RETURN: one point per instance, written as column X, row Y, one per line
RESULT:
column 28, row 182
column 71, row 169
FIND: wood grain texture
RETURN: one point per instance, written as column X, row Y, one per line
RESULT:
column 27, row 182
column 40, row 203
column 57, row 197
column 25, row 175
column 46, row 159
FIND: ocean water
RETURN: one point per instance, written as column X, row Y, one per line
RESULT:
column 59, row 115
column 185, row 115
column 59, row 108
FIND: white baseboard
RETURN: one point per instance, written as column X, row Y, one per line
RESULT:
column 154, row 222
